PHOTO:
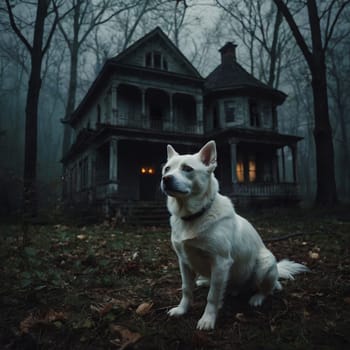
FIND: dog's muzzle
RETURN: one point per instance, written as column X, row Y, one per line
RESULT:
column 168, row 183
column 170, row 187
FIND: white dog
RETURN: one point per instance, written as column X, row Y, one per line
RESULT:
column 211, row 241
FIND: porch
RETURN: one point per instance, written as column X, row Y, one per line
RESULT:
column 266, row 190
column 127, row 120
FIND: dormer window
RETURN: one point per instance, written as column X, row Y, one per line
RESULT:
column 155, row 59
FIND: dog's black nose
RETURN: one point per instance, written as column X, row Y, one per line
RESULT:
column 167, row 180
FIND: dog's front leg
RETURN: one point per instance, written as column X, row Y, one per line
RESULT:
column 220, row 270
column 187, row 276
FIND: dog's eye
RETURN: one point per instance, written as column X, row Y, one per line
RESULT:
column 166, row 169
column 187, row 168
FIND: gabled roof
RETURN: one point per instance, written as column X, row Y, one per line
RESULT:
column 158, row 33
column 118, row 63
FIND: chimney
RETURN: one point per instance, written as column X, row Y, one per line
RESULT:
column 228, row 53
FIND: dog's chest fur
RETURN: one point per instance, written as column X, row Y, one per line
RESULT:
column 196, row 242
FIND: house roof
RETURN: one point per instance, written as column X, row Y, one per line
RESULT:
column 230, row 76
column 119, row 63
column 157, row 32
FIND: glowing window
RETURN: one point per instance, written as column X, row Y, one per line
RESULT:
column 240, row 171
column 252, row 169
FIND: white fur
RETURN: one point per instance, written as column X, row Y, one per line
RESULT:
column 218, row 246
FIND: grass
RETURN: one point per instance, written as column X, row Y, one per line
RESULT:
column 81, row 288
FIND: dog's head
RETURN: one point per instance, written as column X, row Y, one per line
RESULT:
column 190, row 174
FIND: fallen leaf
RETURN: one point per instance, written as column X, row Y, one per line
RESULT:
column 347, row 300
column 125, row 336
column 144, row 309
column 102, row 309
column 314, row 255
column 32, row 320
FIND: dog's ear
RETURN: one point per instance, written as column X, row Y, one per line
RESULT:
column 207, row 154
column 171, row 152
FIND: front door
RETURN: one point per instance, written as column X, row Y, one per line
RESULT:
column 148, row 183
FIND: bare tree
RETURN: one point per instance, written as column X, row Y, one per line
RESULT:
column 315, row 57
column 45, row 22
column 259, row 26
column 75, row 30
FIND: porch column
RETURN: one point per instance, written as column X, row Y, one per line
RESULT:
column 171, row 108
column 233, row 156
column 113, row 165
column 143, row 103
column 283, row 165
column 294, row 159
column 168, row 122
column 114, row 103
column 199, row 111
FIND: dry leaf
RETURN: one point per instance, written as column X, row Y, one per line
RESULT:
column 144, row 309
column 34, row 320
column 314, row 255
column 81, row 237
column 347, row 300
column 102, row 309
column 125, row 336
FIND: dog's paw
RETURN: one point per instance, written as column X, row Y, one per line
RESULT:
column 256, row 299
column 278, row 286
column 177, row 311
column 206, row 323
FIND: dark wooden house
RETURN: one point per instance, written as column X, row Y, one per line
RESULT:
column 149, row 96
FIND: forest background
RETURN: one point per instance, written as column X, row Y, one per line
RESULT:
column 79, row 36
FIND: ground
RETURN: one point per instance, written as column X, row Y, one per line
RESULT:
column 109, row 287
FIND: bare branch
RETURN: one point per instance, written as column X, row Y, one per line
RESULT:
column 330, row 32
column 16, row 29
column 295, row 30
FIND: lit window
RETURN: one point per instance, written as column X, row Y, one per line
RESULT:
column 252, row 169
column 240, row 171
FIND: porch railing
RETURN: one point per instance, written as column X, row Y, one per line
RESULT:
column 266, row 189
column 148, row 123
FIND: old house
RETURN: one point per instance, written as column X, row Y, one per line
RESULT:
column 149, row 96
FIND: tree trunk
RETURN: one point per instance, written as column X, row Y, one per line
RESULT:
column 31, row 121
column 326, row 185
column 72, row 88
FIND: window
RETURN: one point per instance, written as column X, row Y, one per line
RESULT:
column 149, row 59
column 246, row 169
column 155, row 59
column 254, row 114
column 240, row 170
column 165, row 64
column 229, row 107
column 252, row 169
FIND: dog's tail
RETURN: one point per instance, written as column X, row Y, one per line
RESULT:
column 287, row 269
